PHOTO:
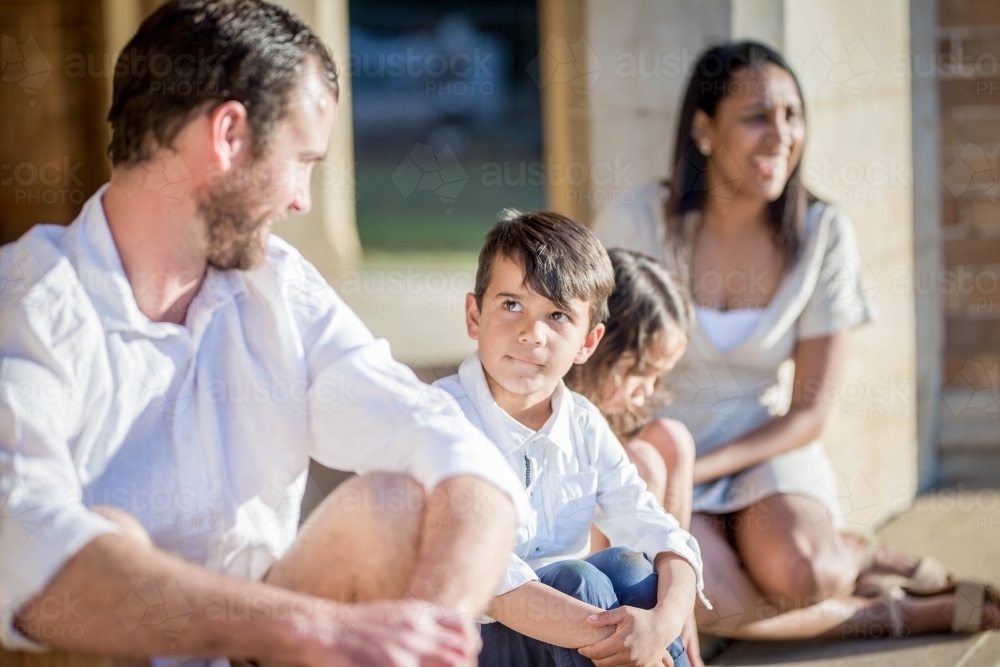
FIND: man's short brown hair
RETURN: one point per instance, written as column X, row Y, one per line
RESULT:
column 561, row 260
column 190, row 56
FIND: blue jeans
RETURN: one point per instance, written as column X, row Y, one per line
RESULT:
column 608, row 579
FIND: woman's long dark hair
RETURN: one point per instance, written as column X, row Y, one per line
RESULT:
column 646, row 304
column 709, row 84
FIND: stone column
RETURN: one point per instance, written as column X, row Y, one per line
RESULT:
column 328, row 234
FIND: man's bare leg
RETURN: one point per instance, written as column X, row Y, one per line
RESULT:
column 469, row 531
column 381, row 537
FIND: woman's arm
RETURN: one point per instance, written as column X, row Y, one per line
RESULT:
column 541, row 612
column 817, row 366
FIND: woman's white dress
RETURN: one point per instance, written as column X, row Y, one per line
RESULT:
column 723, row 395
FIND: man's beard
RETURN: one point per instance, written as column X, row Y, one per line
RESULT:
column 234, row 235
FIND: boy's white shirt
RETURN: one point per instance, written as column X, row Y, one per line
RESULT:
column 580, row 475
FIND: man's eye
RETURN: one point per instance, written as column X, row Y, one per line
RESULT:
column 560, row 317
column 512, row 306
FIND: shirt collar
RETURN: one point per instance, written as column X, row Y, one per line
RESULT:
column 507, row 433
column 100, row 270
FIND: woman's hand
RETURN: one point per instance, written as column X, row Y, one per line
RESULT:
column 640, row 639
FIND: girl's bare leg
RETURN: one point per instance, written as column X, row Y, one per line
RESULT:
column 651, row 466
column 674, row 443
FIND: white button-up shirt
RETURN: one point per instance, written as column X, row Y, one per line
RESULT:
column 576, row 473
column 203, row 432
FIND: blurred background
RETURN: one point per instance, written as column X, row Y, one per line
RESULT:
column 452, row 111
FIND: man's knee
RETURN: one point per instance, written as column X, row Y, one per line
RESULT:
column 380, row 493
column 581, row 580
column 130, row 526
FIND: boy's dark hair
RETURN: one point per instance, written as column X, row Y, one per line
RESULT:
column 190, row 56
column 561, row 259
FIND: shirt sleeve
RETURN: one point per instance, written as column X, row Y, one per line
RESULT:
column 629, row 514
column 43, row 522
column 371, row 413
column 840, row 300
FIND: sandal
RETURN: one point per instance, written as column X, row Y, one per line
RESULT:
column 887, row 588
column 971, row 598
column 894, row 596
column 929, row 578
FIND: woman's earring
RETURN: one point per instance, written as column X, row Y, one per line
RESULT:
column 704, row 147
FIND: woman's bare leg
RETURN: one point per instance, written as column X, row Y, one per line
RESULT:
column 743, row 611
column 792, row 551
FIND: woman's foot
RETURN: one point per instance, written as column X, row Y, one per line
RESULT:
column 920, row 615
column 877, row 558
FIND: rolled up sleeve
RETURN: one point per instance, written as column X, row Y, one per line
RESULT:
column 629, row 514
column 370, row 413
column 43, row 522
column 518, row 573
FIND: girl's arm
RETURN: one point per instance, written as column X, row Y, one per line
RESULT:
column 541, row 612
column 817, row 366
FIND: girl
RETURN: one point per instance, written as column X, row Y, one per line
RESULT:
column 646, row 333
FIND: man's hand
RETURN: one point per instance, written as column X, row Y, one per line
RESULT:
column 399, row 633
column 640, row 639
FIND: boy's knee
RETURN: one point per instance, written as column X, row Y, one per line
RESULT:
column 582, row 581
column 130, row 526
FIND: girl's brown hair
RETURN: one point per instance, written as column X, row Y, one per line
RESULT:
column 646, row 304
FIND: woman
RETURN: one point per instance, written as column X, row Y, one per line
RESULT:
column 773, row 274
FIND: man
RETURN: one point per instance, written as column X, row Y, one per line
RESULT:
column 167, row 369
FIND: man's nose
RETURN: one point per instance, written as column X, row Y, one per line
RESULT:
column 302, row 202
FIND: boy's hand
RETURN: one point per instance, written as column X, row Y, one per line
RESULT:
column 640, row 639
column 691, row 642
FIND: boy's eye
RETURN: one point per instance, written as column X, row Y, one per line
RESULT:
column 560, row 317
column 512, row 306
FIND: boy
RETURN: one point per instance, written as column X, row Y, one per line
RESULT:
column 540, row 297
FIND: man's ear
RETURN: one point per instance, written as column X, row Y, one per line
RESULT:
column 232, row 136
column 471, row 316
column 589, row 344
